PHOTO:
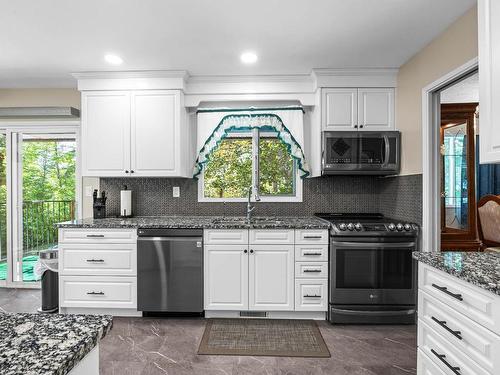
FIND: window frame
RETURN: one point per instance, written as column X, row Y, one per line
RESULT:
column 255, row 135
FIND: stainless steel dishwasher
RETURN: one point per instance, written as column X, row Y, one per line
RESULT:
column 170, row 271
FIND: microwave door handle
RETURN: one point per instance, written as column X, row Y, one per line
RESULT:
column 362, row 245
column 387, row 150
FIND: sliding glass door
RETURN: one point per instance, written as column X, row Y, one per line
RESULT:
column 37, row 189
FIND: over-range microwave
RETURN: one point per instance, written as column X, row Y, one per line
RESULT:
column 361, row 152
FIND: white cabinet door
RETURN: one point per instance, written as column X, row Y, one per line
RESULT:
column 155, row 133
column 376, row 109
column 105, row 133
column 340, row 109
column 226, row 277
column 489, row 80
column 271, row 277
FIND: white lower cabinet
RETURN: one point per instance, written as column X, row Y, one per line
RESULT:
column 98, row 271
column 311, row 295
column 263, row 275
column 457, row 326
column 98, row 292
column 271, row 277
column 226, row 277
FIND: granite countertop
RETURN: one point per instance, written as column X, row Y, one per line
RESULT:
column 480, row 269
column 204, row 222
column 33, row 344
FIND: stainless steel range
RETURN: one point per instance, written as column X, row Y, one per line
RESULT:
column 372, row 272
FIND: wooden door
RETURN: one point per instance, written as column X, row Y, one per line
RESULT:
column 458, row 197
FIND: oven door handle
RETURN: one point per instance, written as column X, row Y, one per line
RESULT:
column 378, row 245
column 373, row 313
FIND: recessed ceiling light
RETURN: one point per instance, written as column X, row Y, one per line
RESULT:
column 248, row 57
column 113, row 59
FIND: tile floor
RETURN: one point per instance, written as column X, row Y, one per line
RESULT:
column 148, row 346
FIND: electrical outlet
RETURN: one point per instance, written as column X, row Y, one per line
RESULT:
column 89, row 190
column 176, row 191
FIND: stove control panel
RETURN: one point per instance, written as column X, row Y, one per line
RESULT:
column 378, row 227
column 400, row 227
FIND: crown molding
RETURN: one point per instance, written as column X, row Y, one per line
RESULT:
column 349, row 77
column 132, row 80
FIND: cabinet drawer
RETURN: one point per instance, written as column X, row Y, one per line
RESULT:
column 271, row 236
column 98, row 259
column 472, row 339
column 310, row 270
column 425, row 365
column 478, row 304
column 311, row 295
column 307, row 236
column 311, row 253
column 98, row 291
column 225, row 236
column 97, row 235
column 443, row 353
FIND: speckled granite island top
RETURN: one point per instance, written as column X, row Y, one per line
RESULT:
column 205, row 222
column 34, row 344
column 480, row 269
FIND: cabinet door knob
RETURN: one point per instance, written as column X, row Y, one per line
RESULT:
column 245, row 251
column 355, row 126
column 361, row 126
column 132, row 171
column 251, row 251
column 126, row 171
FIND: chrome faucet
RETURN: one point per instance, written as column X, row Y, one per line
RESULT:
column 250, row 208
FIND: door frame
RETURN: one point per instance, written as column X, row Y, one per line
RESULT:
column 12, row 129
column 431, row 215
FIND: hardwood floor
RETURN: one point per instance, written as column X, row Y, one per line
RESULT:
column 168, row 346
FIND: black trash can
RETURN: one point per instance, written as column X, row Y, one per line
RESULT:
column 50, row 282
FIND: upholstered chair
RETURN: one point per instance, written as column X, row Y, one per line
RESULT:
column 488, row 214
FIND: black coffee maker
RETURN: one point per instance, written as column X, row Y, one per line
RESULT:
column 99, row 205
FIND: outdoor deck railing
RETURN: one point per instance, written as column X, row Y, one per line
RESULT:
column 39, row 218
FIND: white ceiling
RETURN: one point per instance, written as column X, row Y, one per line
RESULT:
column 43, row 41
column 464, row 91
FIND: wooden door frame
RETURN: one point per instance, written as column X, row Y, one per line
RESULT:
column 452, row 114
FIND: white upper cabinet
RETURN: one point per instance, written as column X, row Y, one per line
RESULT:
column 348, row 109
column 489, row 80
column 155, row 135
column 376, row 109
column 105, row 147
column 135, row 133
column 340, row 109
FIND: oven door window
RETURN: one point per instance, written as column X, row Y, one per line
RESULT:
column 381, row 268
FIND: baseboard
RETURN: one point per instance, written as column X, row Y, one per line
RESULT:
column 91, row 310
column 311, row 315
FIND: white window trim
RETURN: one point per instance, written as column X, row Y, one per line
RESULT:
column 263, row 198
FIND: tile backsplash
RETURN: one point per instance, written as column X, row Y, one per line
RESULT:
column 399, row 197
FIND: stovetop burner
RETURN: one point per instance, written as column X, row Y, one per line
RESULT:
column 351, row 224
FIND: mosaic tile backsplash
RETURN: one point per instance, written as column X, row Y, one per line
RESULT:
column 153, row 196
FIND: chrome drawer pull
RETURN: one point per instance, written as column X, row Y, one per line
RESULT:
column 95, row 260
column 445, row 290
column 95, row 235
column 313, row 253
column 313, row 237
column 442, row 323
column 312, row 270
column 95, row 293
column 441, row 357
column 308, row 296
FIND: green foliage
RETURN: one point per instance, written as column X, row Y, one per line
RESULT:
column 228, row 173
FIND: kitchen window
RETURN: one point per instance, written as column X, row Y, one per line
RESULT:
column 255, row 158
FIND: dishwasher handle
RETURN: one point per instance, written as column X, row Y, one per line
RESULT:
column 170, row 239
